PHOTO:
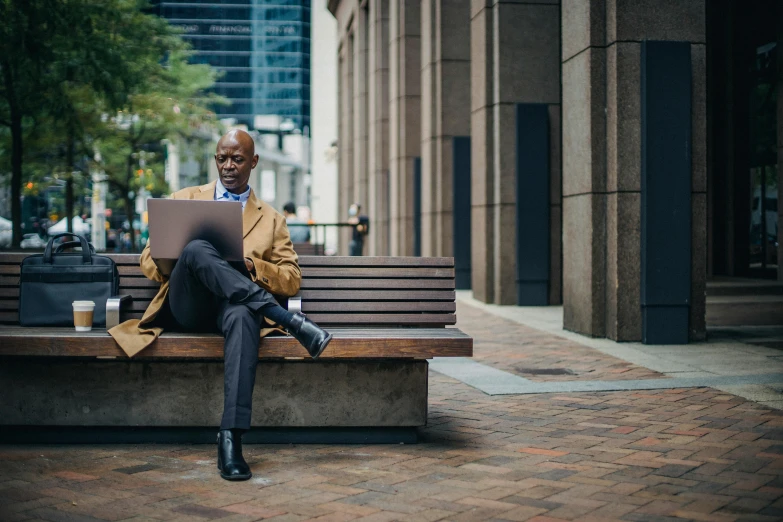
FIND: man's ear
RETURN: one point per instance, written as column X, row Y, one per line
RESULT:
column 255, row 161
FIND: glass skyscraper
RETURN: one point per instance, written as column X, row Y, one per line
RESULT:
column 261, row 47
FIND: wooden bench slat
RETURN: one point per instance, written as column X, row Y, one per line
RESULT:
column 137, row 282
column 309, row 249
column 326, row 319
column 137, row 293
column 363, row 261
column 140, row 293
column 14, row 258
column 378, row 306
column 378, row 295
column 360, row 284
column 124, row 270
column 369, row 272
column 128, row 280
column 11, row 317
column 9, row 280
column 347, row 343
column 136, row 305
column 344, row 319
column 129, row 270
column 132, row 271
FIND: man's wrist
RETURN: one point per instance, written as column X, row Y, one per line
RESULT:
column 251, row 267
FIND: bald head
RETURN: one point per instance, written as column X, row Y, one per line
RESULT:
column 238, row 137
column 235, row 157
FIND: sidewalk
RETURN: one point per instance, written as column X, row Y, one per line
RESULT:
column 747, row 362
column 635, row 455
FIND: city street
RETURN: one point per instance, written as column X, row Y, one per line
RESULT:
column 515, row 453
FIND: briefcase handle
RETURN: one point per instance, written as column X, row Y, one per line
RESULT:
column 86, row 255
column 62, row 247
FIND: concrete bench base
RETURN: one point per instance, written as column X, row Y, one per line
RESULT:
column 46, row 392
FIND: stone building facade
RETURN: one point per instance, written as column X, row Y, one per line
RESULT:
column 589, row 153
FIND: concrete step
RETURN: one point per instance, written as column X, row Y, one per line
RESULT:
column 744, row 310
column 743, row 287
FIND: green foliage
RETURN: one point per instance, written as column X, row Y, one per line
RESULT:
column 172, row 103
column 80, row 77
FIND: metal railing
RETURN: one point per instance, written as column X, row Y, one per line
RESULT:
column 318, row 230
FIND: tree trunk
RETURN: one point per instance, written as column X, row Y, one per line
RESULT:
column 16, row 156
column 69, row 203
column 130, row 212
column 16, row 179
column 69, row 164
column 130, row 205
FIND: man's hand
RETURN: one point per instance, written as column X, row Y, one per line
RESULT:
column 250, row 266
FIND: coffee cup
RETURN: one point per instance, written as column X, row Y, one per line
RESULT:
column 82, row 315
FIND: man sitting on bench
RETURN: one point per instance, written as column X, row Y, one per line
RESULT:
column 204, row 293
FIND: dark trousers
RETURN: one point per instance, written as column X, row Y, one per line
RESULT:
column 355, row 248
column 207, row 293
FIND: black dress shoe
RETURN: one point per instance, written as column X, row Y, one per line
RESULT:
column 310, row 335
column 231, row 463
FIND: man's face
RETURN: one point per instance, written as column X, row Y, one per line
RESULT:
column 234, row 161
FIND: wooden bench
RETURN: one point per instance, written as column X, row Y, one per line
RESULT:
column 309, row 249
column 388, row 315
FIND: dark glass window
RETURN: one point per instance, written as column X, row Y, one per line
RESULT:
column 261, row 48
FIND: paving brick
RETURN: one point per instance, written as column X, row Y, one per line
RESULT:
column 542, row 451
column 197, row 510
column 71, row 475
column 522, row 513
column 246, row 508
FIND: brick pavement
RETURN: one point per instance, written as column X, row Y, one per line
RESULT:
column 695, row 454
column 517, row 349
column 682, row 454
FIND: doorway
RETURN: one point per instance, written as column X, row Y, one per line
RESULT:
column 743, row 127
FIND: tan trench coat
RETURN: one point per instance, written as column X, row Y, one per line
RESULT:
column 266, row 242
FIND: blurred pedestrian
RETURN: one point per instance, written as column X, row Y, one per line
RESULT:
column 299, row 233
column 360, row 230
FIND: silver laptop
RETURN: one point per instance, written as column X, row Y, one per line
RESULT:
column 173, row 223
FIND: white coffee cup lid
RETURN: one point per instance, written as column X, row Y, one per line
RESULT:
column 84, row 303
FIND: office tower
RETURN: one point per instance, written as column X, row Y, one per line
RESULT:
column 262, row 49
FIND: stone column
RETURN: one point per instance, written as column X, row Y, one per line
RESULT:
column 780, row 139
column 482, row 147
column 360, row 110
column 445, row 112
column 378, row 160
column 514, row 59
column 341, row 139
column 404, row 118
column 345, row 139
column 601, row 64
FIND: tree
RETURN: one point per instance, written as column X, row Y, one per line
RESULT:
column 173, row 102
column 24, row 56
column 64, row 63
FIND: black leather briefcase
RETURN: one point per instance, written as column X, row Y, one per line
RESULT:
column 52, row 281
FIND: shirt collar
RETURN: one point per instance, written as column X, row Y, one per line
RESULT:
column 222, row 193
